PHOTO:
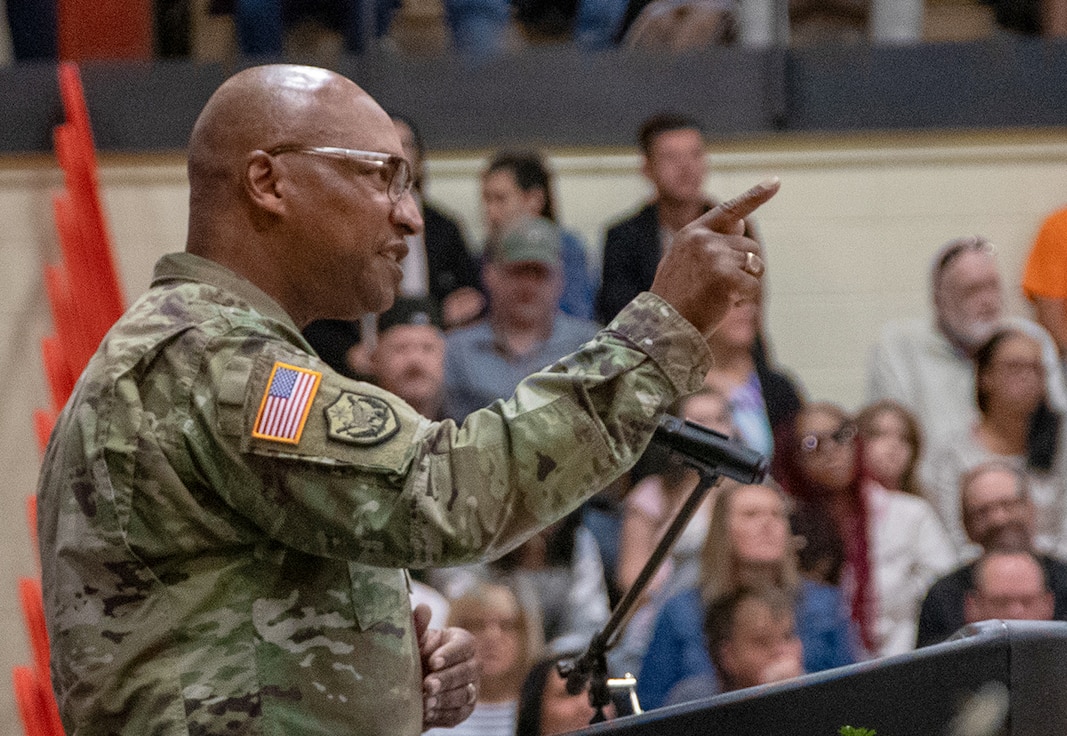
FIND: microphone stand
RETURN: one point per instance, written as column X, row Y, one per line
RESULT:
column 592, row 665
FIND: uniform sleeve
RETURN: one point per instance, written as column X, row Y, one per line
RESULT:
column 366, row 478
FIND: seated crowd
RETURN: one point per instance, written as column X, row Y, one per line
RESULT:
column 941, row 502
column 479, row 30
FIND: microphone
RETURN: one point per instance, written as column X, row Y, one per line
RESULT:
column 711, row 450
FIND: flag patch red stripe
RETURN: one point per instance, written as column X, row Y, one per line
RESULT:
column 286, row 403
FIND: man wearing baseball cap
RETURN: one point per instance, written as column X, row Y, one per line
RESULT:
column 524, row 329
column 408, row 359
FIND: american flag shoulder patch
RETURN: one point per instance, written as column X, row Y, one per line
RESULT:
column 286, row 403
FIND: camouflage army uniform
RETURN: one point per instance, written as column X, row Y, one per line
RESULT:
column 205, row 575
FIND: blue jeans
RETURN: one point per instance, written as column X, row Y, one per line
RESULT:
column 33, row 29
column 261, row 23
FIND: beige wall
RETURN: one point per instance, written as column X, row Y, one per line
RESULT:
column 848, row 239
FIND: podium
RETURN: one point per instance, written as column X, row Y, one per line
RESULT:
column 1011, row 673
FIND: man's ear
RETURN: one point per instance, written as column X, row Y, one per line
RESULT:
column 262, row 182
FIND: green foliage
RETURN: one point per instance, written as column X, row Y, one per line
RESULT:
column 853, row 731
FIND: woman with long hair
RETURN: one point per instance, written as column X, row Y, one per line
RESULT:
column 748, row 544
column 761, row 396
column 1015, row 425
column 884, row 547
column 892, row 445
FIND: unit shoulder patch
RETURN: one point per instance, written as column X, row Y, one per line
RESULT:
column 359, row 419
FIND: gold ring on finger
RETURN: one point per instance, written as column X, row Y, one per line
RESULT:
column 753, row 264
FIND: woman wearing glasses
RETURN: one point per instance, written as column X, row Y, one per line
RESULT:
column 1015, row 425
column 884, row 547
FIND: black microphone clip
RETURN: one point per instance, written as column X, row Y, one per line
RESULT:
column 711, row 451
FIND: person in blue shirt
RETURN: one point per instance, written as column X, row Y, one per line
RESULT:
column 749, row 544
column 524, row 329
column 752, row 640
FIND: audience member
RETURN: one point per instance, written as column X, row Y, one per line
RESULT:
column 517, row 185
column 524, row 330
column 598, row 24
column 748, row 545
column 438, row 263
column 893, row 544
column 752, row 640
column 34, row 30
column 1044, row 282
column 339, row 342
column 927, row 366
column 1031, row 17
column 479, row 28
column 831, row 21
column 648, row 510
column 998, row 515
column 507, row 641
column 805, row 22
column 1015, row 425
column 409, row 354
column 262, row 25
column 1010, row 586
column 675, row 163
column 545, row 706
column 674, row 26
column 557, row 573
column 761, row 398
column 892, row 445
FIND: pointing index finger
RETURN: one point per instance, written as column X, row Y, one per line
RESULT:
column 724, row 218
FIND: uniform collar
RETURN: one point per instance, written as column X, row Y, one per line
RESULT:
column 189, row 267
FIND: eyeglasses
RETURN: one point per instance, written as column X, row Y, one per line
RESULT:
column 1003, row 505
column 395, row 169
column 813, row 443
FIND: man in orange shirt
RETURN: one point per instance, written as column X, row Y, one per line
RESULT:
column 1045, row 277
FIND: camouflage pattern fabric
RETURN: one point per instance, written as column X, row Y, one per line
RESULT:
column 203, row 578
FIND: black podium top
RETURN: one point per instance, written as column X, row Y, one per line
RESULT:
column 1009, row 677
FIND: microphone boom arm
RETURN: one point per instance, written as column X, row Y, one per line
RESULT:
column 712, row 455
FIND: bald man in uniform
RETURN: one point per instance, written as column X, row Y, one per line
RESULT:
column 226, row 523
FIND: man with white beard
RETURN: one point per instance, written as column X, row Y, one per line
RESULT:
column 927, row 366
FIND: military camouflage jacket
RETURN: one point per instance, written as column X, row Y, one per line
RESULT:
column 225, row 522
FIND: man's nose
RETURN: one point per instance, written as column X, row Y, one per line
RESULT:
column 406, row 214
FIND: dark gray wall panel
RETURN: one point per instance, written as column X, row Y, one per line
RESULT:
column 561, row 98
